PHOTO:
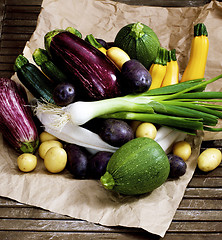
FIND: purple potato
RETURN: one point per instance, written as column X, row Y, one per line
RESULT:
column 116, row 132
column 135, row 78
column 98, row 163
column 77, row 161
column 64, row 94
column 177, row 166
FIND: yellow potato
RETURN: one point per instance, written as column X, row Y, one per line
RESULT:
column 146, row 130
column 45, row 146
column 55, row 159
column 27, row 162
column 182, row 149
column 209, row 159
column 134, row 124
column 45, row 136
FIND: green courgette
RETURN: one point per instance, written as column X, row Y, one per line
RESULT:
column 138, row 167
column 42, row 59
column 33, row 79
column 139, row 41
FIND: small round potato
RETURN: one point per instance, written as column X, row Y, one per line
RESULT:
column 27, row 162
column 146, row 130
column 45, row 136
column 55, row 159
column 182, row 149
column 134, row 124
column 45, row 146
column 209, row 159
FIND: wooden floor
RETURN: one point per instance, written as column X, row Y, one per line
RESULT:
column 199, row 216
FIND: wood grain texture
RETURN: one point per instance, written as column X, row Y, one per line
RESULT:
column 199, row 215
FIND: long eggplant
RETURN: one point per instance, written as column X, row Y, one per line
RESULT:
column 16, row 123
column 90, row 69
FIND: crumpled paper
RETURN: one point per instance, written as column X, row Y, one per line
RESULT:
column 87, row 199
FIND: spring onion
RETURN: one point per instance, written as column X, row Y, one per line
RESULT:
column 73, row 133
column 166, row 106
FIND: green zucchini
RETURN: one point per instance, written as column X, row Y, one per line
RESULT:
column 139, row 42
column 34, row 80
column 137, row 167
column 42, row 59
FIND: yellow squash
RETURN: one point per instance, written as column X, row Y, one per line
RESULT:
column 118, row 56
column 172, row 70
column 158, row 68
column 195, row 68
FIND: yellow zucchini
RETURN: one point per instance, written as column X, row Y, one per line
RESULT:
column 195, row 68
column 172, row 70
column 118, row 56
column 158, row 68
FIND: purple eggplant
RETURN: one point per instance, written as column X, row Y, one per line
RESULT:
column 91, row 71
column 16, row 123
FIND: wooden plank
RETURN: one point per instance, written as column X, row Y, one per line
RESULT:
column 83, row 226
column 7, row 202
column 18, row 22
column 35, row 213
column 7, row 59
column 15, row 235
column 204, row 204
column 6, row 74
column 195, row 227
column 195, row 236
column 21, row 15
column 15, row 37
column 22, row 9
column 23, row 2
column 198, row 215
column 18, row 30
column 215, row 173
column 11, row 51
column 12, row 44
column 6, row 66
column 212, row 193
column 205, row 182
column 2, row 11
column 30, row 213
column 58, row 225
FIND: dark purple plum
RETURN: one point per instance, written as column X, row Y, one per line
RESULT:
column 98, row 163
column 115, row 132
column 177, row 166
column 135, row 78
column 64, row 94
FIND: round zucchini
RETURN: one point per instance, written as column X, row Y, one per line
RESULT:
column 139, row 41
column 138, row 167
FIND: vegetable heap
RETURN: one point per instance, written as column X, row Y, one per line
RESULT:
column 116, row 111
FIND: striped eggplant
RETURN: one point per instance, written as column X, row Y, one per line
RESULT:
column 89, row 68
column 16, row 123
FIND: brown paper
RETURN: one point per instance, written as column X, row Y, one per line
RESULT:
column 87, row 199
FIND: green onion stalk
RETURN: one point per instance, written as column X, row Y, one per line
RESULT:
column 184, row 106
